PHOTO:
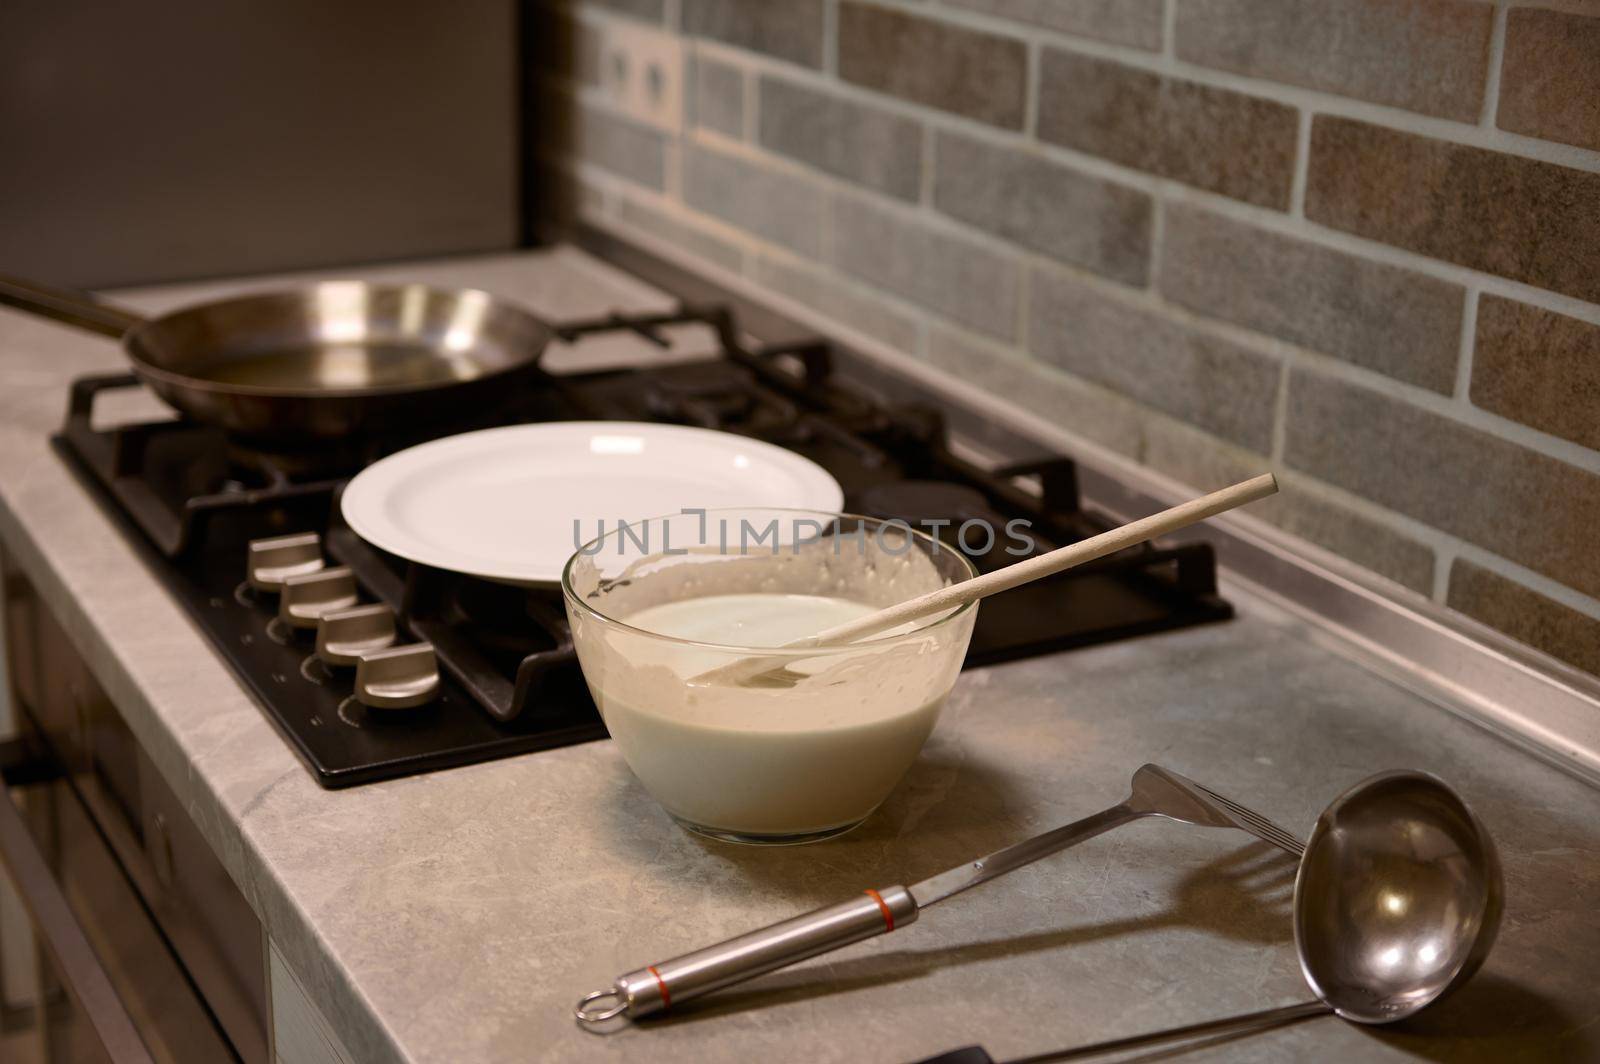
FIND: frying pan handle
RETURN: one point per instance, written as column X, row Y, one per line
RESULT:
column 63, row 304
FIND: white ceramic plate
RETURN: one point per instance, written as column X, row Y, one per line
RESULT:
column 500, row 503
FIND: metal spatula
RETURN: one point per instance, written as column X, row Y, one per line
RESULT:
column 1155, row 792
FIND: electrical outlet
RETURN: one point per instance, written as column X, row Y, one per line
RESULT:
column 641, row 73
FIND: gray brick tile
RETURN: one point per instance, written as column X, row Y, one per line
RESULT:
column 1221, row 387
column 1424, row 55
column 1351, row 535
column 606, row 139
column 718, row 96
column 1523, row 505
column 1082, row 220
column 787, row 29
column 843, row 137
column 1299, row 508
column 946, row 273
column 1385, row 318
column 1040, row 389
column 780, row 207
column 681, row 232
column 844, row 300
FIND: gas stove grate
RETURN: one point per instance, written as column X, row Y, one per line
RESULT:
column 509, row 676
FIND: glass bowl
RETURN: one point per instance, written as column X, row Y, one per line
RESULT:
column 813, row 745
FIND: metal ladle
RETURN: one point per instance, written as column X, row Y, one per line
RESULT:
column 1396, row 903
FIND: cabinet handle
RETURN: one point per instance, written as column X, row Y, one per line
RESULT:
column 52, row 917
column 161, row 850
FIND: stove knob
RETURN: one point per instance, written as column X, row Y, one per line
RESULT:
column 304, row 599
column 272, row 561
column 397, row 677
column 344, row 635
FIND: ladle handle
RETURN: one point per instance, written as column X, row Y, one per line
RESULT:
column 659, row 986
column 1250, row 1021
column 62, row 304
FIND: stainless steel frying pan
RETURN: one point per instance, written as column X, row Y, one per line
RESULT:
column 318, row 363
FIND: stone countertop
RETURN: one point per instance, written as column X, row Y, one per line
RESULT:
column 457, row 916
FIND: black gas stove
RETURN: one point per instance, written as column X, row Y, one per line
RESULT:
column 492, row 670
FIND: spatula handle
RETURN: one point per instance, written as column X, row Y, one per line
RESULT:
column 659, row 986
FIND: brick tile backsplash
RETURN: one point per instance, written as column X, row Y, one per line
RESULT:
column 1523, row 613
column 1087, row 411
column 778, row 206
column 1353, row 241
column 1219, row 386
column 1533, row 509
column 978, row 75
column 1184, row 453
column 1135, row 23
column 949, row 274
column 1216, row 139
column 1082, row 220
column 650, row 10
column 616, row 143
column 1527, row 220
column 840, row 299
column 1425, row 55
column 680, row 233
column 1540, row 368
column 1382, row 317
column 1366, row 542
column 1550, row 83
column 843, row 137
column 718, row 96
column 785, row 29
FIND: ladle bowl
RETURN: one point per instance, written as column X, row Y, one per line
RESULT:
column 1396, row 903
column 1397, row 899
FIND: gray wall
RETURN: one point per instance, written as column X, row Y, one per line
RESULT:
column 150, row 142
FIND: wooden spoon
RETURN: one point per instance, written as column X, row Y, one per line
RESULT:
column 769, row 671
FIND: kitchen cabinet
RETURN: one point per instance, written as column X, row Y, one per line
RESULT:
column 300, row 1033
column 138, row 932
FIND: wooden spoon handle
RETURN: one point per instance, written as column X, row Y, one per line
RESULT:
column 1184, row 514
column 1049, row 564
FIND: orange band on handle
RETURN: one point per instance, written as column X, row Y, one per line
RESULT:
column 666, row 998
column 888, row 917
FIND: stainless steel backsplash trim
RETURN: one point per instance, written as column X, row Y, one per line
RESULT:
column 1527, row 697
